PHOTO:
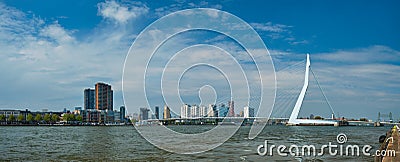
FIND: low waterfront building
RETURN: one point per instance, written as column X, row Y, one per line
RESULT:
column 20, row 116
column 101, row 116
column 117, row 117
column 8, row 113
column 88, row 116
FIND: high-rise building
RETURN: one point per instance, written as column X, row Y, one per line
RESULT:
column 248, row 112
column 144, row 114
column 122, row 113
column 241, row 114
column 167, row 112
column 89, row 99
column 104, row 97
column 222, row 110
column 157, row 112
column 212, row 111
column 195, row 111
column 185, row 111
column 231, row 106
column 203, row 111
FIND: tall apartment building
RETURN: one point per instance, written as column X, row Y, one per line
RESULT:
column 157, row 112
column 185, row 111
column 122, row 114
column 104, row 97
column 231, row 106
column 222, row 110
column 167, row 112
column 89, row 99
column 195, row 111
column 203, row 111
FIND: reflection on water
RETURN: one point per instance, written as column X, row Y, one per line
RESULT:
column 124, row 143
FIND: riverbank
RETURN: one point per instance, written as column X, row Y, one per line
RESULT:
column 390, row 148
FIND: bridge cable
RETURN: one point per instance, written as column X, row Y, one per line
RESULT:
column 326, row 99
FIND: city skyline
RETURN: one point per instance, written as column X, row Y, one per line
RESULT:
column 197, row 111
column 52, row 54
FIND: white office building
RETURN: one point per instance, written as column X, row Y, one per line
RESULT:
column 185, row 111
column 195, row 111
column 248, row 112
column 203, row 111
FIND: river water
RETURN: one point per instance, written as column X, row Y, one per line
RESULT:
column 124, row 143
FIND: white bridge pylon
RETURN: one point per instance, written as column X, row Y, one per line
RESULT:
column 295, row 113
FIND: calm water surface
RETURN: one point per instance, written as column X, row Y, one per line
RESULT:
column 123, row 143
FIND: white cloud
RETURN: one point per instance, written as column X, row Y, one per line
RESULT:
column 56, row 32
column 180, row 5
column 372, row 54
column 298, row 42
column 194, row 78
column 48, row 67
column 278, row 32
column 270, row 27
column 121, row 13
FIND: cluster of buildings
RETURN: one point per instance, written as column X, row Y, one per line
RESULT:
column 98, row 109
column 98, row 106
column 144, row 113
column 198, row 111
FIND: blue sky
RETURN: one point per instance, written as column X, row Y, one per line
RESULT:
column 52, row 50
